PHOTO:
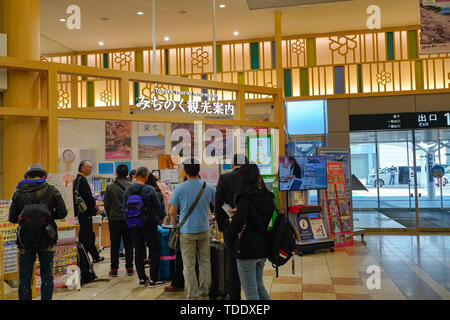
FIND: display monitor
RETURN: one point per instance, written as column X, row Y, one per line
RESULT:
column 302, row 173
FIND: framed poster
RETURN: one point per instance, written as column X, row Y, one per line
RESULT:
column 260, row 152
column 118, row 140
column 435, row 26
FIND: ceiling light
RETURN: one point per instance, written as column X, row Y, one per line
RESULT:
column 236, row 33
column 62, row 20
column 166, row 38
column 100, row 43
column 140, row 13
column 222, row 5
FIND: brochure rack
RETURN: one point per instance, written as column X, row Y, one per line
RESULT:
column 309, row 223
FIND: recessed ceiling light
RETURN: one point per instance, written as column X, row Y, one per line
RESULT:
column 100, row 43
column 62, row 20
column 140, row 13
column 236, row 33
column 166, row 38
column 222, row 5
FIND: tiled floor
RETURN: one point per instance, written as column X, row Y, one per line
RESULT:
column 411, row 267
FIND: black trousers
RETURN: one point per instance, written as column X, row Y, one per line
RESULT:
column 118, row 230
column 86, row 235
column 147, row 235
column 231, row 271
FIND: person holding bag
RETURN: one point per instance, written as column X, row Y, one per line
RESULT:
column 193, row 197
column 249, row 227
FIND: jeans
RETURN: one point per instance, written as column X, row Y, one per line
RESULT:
column 251, row 275
column 26, row 263
column 147, row 235
column 195, row 246
column 86, row 235
column 119, row 232
column 392, row 180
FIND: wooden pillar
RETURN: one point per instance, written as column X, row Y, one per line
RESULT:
column 22, row 136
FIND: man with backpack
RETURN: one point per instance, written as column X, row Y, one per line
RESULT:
column 85, row 207
column 143, row 213
column 34, row 206
column 118, row 229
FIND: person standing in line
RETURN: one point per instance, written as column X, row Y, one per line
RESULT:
column 148, row 234
column 195, row 233
column 249, row 228
column 118, row 229
column 85, row 207
column 226, row 191
column 132, row 176
column 34, row 190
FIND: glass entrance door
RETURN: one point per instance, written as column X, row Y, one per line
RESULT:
column 431, row 148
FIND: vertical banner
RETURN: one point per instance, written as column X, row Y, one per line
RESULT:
column 337, row 211
column 435, row 26
column 151, row 142
column 118, row 140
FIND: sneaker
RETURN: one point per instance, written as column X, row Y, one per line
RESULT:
column 171, row 288
column 98, row 260
column 156, row 283
column 143, row 282
column 113, row 273
column 130, row 271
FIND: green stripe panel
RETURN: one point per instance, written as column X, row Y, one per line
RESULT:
column 419, row 75
column 136, row 91
column 390, row 45
column 311, row 52
column 105, row 61
column 412, row 44
column 167, row 60
column 185, row 97
column 304, row 82
column 241, row 78
column 359, row 78
column 287, row 83
column 139, row 61
column 219, row 58
column 84, row 63
column 254, row 54
column 90, row 94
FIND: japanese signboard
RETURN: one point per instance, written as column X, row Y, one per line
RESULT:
column 8, row 233
column 395, row 121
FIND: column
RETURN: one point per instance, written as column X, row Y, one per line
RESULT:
column 22, row 136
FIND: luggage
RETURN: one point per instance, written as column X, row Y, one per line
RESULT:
column 167, row 263
column 218, row 276
column 85, row 265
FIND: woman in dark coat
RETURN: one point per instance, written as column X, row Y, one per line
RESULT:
column 249, row 226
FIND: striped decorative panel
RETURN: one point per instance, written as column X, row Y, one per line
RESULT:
column 412, row 44
column 139, row 61
column 419, row 75
column 304, row 82
column 105, row 60
column 360, row 83
column 254, row 55
column 288, row 82
column 339, row 80
column 90, row 94
column 219, row 63
column 166, row 55
column 274, row 55
column 390, row 45
column 311, row 52
column 136, row 91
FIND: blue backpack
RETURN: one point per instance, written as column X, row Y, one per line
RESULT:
column 135, row 209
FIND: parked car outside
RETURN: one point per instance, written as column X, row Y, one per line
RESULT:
column 402, row 177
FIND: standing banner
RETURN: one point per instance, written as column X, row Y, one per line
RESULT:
column 338, row 217
column 435, row 26
column 8, row 233
column 118, row 140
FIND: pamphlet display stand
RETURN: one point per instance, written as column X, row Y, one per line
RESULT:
column 309, row 223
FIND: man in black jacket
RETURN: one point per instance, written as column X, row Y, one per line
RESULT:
column 81, row 188
column 34, row 189
column 226, row 191
column 117, row 224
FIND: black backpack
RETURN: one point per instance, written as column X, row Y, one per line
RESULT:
column 281, row 240
column 84, row 263
column 37, row 229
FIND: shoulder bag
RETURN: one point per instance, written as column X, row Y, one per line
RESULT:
column 174, row 238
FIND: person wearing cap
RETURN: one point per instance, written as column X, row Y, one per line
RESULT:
column 81, row 189
column 33, row 190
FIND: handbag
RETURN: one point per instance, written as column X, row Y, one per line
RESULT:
column 174, row 238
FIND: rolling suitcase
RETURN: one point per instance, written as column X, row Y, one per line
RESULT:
column 167, row 263
column 218, row 276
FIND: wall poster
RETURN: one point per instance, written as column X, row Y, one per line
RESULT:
column 435, row 26
column 118, row 140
